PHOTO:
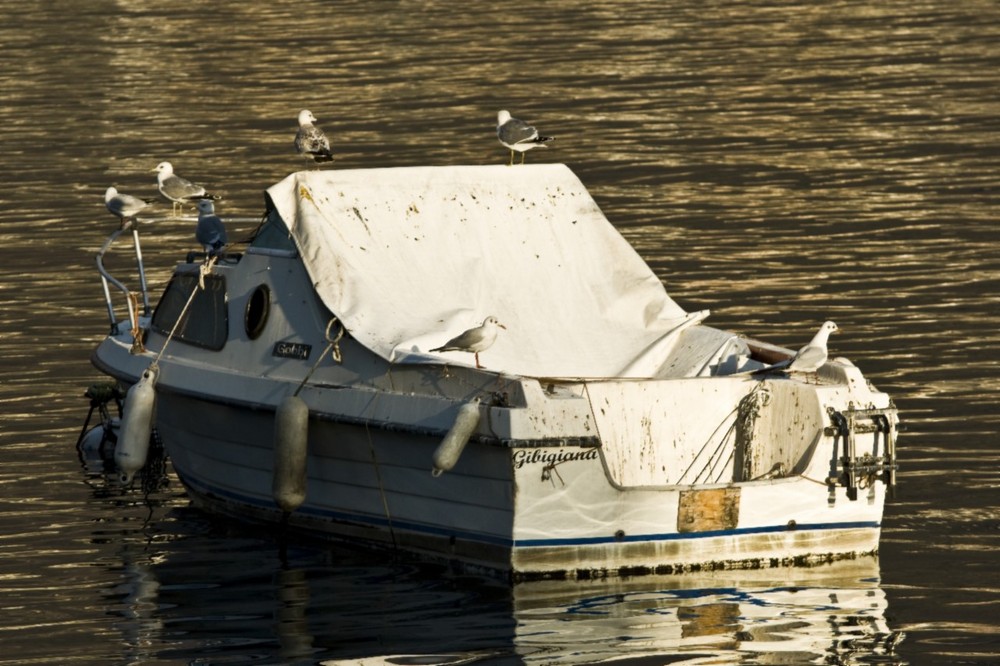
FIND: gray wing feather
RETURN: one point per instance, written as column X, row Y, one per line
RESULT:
column 125, row 205
column 311, row 140
column 516, row 131
column 180, row 189
column 808, row 359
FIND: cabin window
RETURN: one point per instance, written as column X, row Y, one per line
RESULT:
column 206, row 322
column 257, row 310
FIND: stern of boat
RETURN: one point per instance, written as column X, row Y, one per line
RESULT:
column 741, row 471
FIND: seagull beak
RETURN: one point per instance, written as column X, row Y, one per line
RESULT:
column 501, row 326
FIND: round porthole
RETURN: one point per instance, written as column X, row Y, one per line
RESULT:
column 258, row 308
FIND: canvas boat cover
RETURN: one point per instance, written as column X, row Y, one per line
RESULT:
column 408, row 258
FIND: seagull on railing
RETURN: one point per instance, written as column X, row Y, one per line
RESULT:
column 475, row 339
column 310, row 141
column 518, row 135
column 177, row 190
column 124, row 206
column 210, row 232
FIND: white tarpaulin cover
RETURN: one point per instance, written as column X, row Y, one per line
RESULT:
column 408, row 258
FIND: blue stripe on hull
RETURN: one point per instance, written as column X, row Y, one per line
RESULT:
column 673, row 536
column 379, row 522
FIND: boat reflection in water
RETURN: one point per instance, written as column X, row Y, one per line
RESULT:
column 343, row 607
column 830, row 614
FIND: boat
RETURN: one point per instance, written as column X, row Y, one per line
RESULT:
column 304, row 379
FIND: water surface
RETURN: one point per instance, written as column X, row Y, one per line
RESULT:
column 779, row 163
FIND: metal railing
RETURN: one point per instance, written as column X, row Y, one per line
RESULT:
column 107, row 280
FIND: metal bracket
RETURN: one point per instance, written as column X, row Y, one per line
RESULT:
column 861, row 471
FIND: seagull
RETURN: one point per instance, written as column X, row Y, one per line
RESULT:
column 518, row 135
column 475, row 339
column 808, row 359
column 178, row 190
column 211, row 232
column 310, row 141
column 124, row 206
column 812, row 357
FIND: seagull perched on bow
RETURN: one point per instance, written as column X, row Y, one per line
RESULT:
column 177, row 190
column 813, row 356
column 518, row 135
column 211, row 232
column 475, row 339
column 310, row 141
column 808, row 359
column 124, row 206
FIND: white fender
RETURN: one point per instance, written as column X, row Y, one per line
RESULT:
column 450, row 448
column 291, row 435
column 136, row 427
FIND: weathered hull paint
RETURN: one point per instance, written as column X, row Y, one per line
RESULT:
column 531, row 512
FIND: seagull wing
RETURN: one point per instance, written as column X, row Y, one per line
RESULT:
column 125, row 205
column 809, row 358
column 516, row 131
column 473, row 340
column 311, row 140
column 180, row 189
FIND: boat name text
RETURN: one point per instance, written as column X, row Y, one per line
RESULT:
column 292, row 350
column 522, row 458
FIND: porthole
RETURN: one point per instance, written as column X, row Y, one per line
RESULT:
column 258, row 308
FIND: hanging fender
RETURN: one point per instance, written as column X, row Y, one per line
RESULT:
column 136, row 426
column 291, row 436
column 448, row 451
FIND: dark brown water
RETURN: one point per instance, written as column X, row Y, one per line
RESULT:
column 780, row 163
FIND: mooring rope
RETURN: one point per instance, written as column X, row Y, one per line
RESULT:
column 333, row 344
column 203, row 270
column 378, row 476
column 714, row 457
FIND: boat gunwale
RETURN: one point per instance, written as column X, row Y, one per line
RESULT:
column 509, row 443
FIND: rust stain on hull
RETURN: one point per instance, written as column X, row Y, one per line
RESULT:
column 708, row 510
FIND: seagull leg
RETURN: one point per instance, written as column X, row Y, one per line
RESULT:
column 522, row 157
column 477, row 360
column 511, row 157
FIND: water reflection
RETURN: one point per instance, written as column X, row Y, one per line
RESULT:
column 198, row 592
column 832, row 614
column 402, row 615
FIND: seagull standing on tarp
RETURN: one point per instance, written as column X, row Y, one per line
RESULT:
column 518, row 135
column 310, row 141
column 124, row 206
column 475, row 339
column 211, row 232
column 177, row 190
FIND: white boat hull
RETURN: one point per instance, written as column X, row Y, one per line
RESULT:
column 537, row 512
column 635, row 440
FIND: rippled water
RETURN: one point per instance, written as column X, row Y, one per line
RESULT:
column 779, row 163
